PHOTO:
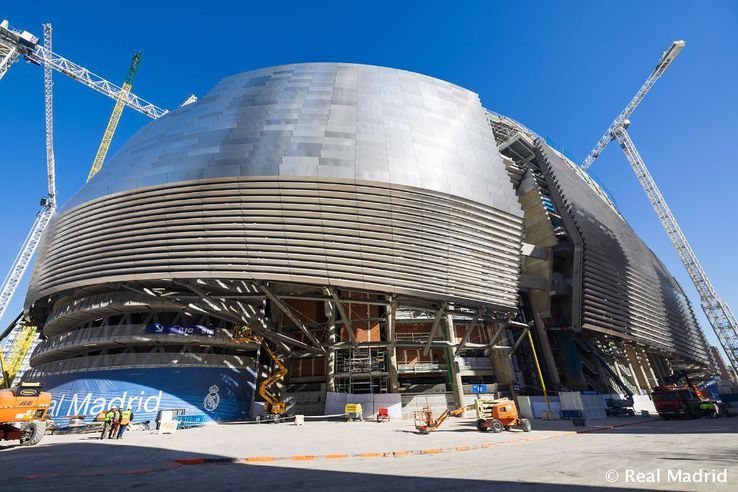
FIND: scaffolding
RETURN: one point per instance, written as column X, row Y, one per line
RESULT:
column 361, row 370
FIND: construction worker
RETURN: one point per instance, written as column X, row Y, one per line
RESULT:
column 107, row 423
column 115, row 423
column 126, row 416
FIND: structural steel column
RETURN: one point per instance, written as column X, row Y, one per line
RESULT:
column 650, row 374
column 633, row 372
column 330, row 358
column 458, row 387
column 501, row 360
column 394, row 384
column 637, row 367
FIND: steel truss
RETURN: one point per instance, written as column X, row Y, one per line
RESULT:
column 717, row 311
column 14, row 43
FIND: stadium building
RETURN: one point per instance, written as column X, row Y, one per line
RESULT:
column 380, row 229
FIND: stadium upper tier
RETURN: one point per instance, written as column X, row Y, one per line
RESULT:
column 327, row 173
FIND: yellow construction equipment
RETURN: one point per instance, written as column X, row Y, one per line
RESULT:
column 354, row 411
column 17, row 355
column 494, row 415
column 274, row 406
column 23, row 413
column 102, row 151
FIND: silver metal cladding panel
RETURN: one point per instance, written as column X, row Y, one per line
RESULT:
column 626, row 289
column 346, row 233
column 331, row 174
column 328, row 120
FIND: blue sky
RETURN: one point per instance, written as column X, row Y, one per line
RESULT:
column 565, row 69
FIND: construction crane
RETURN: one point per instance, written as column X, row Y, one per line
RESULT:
column 718, row 312
column 48, row 203
column 667, row 57
column 102, row 151
column 15, row 43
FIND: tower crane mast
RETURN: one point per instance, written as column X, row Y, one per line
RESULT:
column 23, row 336
column 718, row 312
column 48, row 203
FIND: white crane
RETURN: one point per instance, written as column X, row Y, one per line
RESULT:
column 14, row 44
column 717, row 311
column 667, row 57
column 48, row 203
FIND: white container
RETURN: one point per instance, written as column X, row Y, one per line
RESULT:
column 299, row 420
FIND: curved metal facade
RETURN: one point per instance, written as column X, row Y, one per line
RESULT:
column 320, row 120
column 331, row 174
column 626, row 290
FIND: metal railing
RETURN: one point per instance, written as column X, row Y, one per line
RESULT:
column 129, row 334
column 126, row 361
column 421, row 367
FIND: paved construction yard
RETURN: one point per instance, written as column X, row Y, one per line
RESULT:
column 635, row 452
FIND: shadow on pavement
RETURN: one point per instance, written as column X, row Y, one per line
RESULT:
column 84, row 465
column 644, row 425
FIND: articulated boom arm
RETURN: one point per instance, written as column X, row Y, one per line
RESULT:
column 273, row 405
column 718, row 312
column 667, row 57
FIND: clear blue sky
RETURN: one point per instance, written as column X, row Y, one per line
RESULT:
column 564, row 69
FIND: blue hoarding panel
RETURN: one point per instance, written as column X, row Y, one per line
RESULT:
column 217, row 393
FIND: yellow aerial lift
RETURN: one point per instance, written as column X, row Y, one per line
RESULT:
column 494, row 415
column 273, row 407
column 102, row 151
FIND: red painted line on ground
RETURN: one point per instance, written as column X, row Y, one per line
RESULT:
column 190, row 461
column 42, row 475
column 140, row 471
column 302, row 457
column 335, row 456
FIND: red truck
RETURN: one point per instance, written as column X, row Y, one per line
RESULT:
column 685, row 400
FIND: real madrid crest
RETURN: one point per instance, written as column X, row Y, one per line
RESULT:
column 212, row 400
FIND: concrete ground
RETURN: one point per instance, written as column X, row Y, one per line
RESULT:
column 327, row 455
